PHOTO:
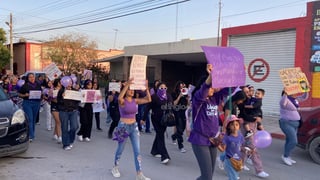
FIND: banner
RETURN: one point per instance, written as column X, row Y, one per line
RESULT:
column 294, row 80
column 52, row 71
column 138, row 72
column 228, row 66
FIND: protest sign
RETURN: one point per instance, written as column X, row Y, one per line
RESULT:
column 138, row 72
column 294, row 80
column 35, row 94
column 228, row 66
column 87, row 74
column 52, row 71
column 114, row 86
column 90, row 96
column 73, row 95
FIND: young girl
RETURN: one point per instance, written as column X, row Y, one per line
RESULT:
column 232, row 144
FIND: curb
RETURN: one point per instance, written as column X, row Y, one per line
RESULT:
column 278, row 136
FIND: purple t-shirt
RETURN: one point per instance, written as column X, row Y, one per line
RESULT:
column 233, row 145
column 129, row 110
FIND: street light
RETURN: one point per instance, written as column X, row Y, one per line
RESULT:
column 11, row 43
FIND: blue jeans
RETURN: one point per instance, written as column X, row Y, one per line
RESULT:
column 290, row 129
column 133, row 132
column 31, row 108
column 231, row 172
column 69, row 126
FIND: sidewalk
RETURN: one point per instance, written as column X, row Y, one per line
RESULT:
column 271, row 124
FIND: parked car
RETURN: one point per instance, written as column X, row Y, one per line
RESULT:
column 309, row 133
column 14, row 129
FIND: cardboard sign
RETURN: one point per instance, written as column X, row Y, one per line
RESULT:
column 138, row 72
column 228, row 66
column 294, row 80
column 52, row 71
column 114, row 86
column 87, row 74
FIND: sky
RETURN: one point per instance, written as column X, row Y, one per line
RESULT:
column 123, row 23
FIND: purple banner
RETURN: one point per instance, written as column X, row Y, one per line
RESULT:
column 228, row 66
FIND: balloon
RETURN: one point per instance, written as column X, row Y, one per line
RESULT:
column 262, row 139
column 66, row 81
column 20, row 83
column 74, row 78
column 45, row 91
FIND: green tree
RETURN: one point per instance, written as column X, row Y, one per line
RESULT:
column 4, row 51
column 71, row 52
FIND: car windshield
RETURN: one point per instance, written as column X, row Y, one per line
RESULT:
column 3, row 95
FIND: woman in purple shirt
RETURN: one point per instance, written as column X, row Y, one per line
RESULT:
column 205, row 103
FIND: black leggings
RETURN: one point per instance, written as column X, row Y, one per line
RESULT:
column 97, row 116
column 206, row 157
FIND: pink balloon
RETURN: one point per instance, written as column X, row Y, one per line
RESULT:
column 262, row 139
column 66, row 81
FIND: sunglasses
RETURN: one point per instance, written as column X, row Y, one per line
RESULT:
column 164, row 88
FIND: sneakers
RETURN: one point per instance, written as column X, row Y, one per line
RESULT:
column 183, row 150
column 248, row 134
column 67, row 148
column 263, row 174
column 115, row 172
column 142, row 177
column 87, row 139
column 174, row 142
column 286, row 160
column 292, row 161
column 249, row 161
column 80, row 138
column 165, row 161
column 59, row 140
column 55, row 137
column 246, row 168
column 220, row 164
column 157, row 155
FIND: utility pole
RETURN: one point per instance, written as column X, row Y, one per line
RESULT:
column 219, row 19
column 115, row 38
column 11, row 43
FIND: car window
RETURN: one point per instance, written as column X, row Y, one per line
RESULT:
column 3, row 95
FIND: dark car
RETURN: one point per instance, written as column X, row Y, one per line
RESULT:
column 309, row 133
column 14, row 129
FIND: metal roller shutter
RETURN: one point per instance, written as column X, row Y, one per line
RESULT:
column 278, row 50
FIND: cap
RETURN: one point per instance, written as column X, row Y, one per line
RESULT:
column 233, row 118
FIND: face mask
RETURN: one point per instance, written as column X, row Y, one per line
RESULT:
column 162, row 93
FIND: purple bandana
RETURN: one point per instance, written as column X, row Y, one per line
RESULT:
column 162, row 93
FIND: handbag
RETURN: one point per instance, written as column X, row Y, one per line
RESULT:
column 168, row 118
column 237, row 164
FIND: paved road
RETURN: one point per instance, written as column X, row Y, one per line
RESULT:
column 45, row 159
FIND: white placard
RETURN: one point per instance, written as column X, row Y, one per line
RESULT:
column 55, row 93
column 35, row 94
column 114, row 86
column 52, row 71
column 138, row 72
column 73, row 95
column 90, row 96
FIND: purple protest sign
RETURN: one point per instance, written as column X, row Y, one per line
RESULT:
column 228, row 66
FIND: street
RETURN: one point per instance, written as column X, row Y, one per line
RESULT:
column 45, row 159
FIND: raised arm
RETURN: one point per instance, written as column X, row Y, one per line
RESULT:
column 123, row 92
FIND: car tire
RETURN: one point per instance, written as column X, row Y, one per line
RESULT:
column 314, row 149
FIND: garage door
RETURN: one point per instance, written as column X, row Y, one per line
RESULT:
column 275, row 50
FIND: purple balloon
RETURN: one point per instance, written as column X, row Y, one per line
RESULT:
column 74, row 78
column 262, row 139
column 45, row 91
column 66, row 81
column 20, row 83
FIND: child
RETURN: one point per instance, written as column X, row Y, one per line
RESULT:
column 232, row 145
column 254, row 109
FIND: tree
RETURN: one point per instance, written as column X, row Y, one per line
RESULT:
column 71, row 52
column 4, row 51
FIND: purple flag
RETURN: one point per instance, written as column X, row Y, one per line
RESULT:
column 228, row 66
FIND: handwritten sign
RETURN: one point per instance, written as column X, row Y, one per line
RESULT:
column 91, row 96
column 73, row 95
column 35, row 94
column 294, row 80
column 114, row 86
column 138, row 72
column 228, row 66
column 87, row 74
column 52, row 71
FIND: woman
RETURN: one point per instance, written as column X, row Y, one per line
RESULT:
column 113, row 110
column 128, row 109
column 205, row 101
column 68, row 113
column 289, row 122
column 31, row 94
column 46, row 103
column 161, row 101
column 53, row 93
column 97, row 107
column 86, row 115
column 180, row 97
